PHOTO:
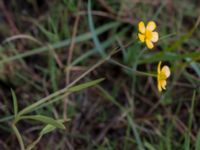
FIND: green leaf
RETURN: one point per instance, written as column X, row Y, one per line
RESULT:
column 53, row 72
column 15, row 105
column 44, row 119
column 6, row 118
column 184, row 37
column 53, row 95
column 94, row 34
column 49, row 128
column 197, row 144
column 64, row 43
column 19, row 137
column 105, row 45
column 149, row 146
column 84, row 85
column 167, row 56
column 196, row 67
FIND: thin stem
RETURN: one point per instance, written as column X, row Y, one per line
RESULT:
column 43, row 100
column 32, row 145
column 135, row 71
column 19, row 137
column 192, row 109
column 70, row 53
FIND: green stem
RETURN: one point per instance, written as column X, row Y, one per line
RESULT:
column 19, row 137
column 31, row 146
column 144, row 73
column 64, row 90
column 135, row 71
column 192, row 110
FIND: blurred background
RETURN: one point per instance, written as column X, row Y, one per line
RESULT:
column 47, row 44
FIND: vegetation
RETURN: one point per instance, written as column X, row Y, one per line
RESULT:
column 75, row 75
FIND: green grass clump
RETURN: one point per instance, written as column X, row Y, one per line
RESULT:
column 74, row 75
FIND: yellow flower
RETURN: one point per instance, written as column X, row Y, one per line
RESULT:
column 146, row 33
column 162, row 75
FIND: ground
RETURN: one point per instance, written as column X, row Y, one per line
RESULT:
column 91, row 79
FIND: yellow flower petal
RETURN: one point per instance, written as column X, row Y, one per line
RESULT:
column 141, row 37
column 159, row 86
column 141, row 27
column 149, row 44
column 163, row 84
column 166, row 71
column 154, row 37
column 162, row 75
column 158, row 67
column 151, row 25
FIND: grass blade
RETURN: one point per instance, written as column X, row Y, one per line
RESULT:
column 85, row 85
column 19, row 137
column 105, row 44
column 44, row 119
column 80, row 38
column 49, row 128
column 197, row 145
column 94, row 34
column 15, row 105
column 149, row 146
column 167, row 56
column 53, row 95
column 184, row 37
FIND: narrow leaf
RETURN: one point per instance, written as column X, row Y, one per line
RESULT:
column 84, row 85
column 184, row 37
column 92, row 29
column 49, row 128
column 15, row 105
column 46, row 120
column 197, row 145
column 64, row 43
column 168, row 56
column 149, row 146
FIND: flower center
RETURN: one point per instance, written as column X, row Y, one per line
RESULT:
column 161, row 76
column 148, row 34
